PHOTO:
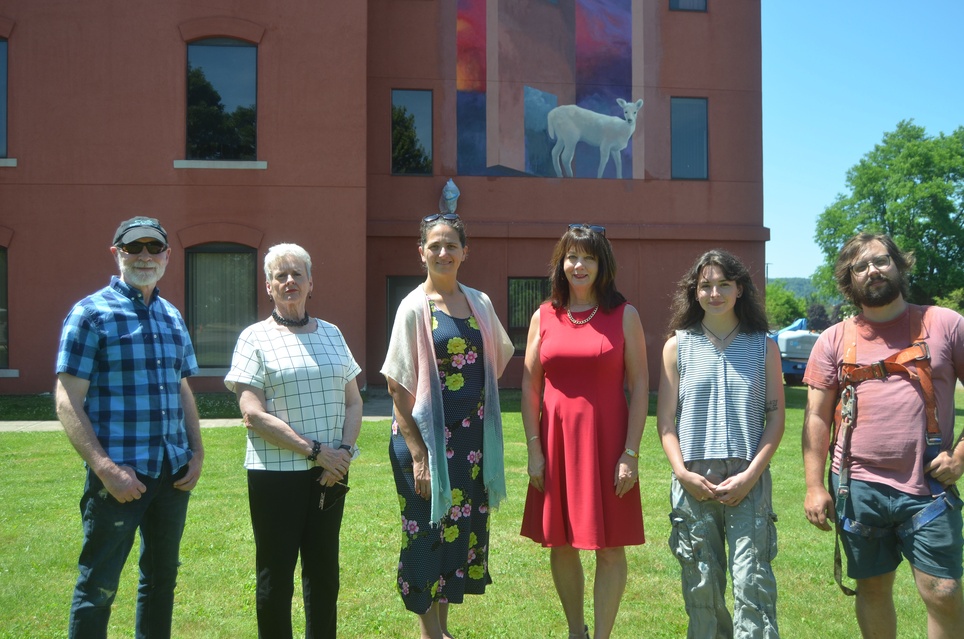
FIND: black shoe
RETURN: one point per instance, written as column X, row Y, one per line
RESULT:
column 585, row 633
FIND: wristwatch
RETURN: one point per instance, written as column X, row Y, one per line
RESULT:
column 351, row 449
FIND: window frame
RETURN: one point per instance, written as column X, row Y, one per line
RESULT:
column 396, row 288
column 677, row 144
column 191, row 295
column 674, row 5
column 4, row 97
column 418, row 133
column 191, row 161
column 519, row 332
column 4, row 308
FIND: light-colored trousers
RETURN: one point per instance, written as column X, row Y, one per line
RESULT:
column 699, row 532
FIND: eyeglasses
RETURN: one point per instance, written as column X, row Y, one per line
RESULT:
column 331, row 495
column 135, row 248
column 880, row 262
column 595, row 228
column 448, row 217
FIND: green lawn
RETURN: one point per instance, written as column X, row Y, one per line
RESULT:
column 40, row 536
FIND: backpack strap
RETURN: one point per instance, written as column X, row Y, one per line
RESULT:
column 917, row 352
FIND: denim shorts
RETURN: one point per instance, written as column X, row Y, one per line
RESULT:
column 935, row 549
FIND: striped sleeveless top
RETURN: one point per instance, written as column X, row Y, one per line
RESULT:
column 722, row 396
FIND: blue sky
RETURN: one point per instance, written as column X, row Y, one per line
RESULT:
column 837, row 75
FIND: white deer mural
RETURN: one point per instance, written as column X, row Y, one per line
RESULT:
column 570, row 124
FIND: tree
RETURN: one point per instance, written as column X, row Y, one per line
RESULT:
column 911, row 187
column 243, row 125
column 783, row 307
column 953, row 301
column 408, row 154
column 817, row 319
column 213, row 134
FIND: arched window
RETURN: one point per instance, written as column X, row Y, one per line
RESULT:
column 222, row 99
column 221, row 298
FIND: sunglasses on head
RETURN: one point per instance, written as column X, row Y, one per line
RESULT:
column 448, row 217
column 595, row 228
column 135, row 248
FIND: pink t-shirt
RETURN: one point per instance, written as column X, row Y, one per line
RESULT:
column 888, row 439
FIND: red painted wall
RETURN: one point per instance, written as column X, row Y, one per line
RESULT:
column 658, row 226
column 97, row 119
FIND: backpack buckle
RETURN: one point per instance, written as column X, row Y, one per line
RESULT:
column 878, row 369
column 925, row 350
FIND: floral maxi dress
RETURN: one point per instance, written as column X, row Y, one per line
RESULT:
column 442, row 562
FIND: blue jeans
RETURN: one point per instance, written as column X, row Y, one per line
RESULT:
column 109, row 528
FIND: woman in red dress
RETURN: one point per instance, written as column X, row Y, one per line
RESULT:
column 585, row 348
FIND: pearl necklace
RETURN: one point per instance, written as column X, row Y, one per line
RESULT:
column 717, row 336
column 284, row 321
column 585, row 321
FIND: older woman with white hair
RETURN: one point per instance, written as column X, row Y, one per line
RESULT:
column 295, row 379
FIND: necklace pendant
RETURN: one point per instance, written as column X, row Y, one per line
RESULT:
column 709, row 333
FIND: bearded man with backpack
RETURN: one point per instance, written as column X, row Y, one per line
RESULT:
column 881, row 399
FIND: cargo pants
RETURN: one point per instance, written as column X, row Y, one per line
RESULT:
column 699, row 532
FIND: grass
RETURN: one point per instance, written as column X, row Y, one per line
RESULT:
column 40, row 535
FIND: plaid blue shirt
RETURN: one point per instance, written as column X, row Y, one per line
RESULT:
column 134, row 356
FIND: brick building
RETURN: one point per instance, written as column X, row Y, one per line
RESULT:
column 335, row 125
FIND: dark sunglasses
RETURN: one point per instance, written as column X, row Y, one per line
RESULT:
column 448, row 217
column 331, row 495
column 135, row 248
column 595, row 228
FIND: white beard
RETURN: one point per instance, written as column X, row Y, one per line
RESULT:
column 135, row 277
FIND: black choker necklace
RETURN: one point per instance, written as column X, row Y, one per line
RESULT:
column 287, row 322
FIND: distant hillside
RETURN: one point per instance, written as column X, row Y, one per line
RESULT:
column 799, row 286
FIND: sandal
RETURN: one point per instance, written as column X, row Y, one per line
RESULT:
column 583, row 635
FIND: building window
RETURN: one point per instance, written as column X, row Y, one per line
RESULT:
column 525, row 296
column 4, row 332
column 687, row 5
column 396, row 288
column 221, row 290
column 411, row 132
column 3, row 98
column 688, row 128
column 222, row 89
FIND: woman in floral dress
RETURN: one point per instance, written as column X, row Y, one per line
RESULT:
column 445, row 356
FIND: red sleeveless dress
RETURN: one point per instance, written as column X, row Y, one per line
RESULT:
column 583, row 433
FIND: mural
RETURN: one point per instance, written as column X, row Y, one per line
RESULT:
column 544, row 88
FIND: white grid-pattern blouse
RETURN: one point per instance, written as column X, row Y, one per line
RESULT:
column 303, row 377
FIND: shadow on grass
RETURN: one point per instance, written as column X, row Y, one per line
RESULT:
column 40, row 408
